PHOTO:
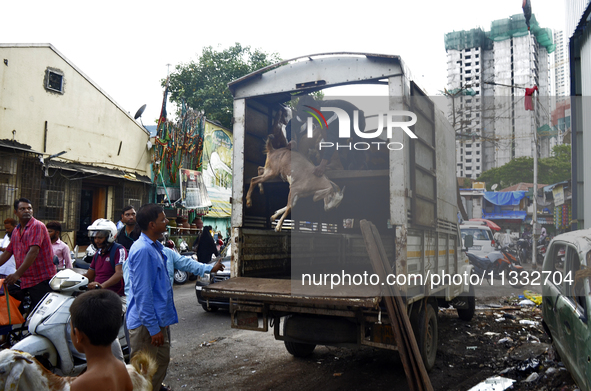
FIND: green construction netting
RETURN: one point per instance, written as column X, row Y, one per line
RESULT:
column 515, row 26
column 460, row 40
column 501, row 30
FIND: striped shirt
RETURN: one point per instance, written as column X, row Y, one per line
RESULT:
column 34, row 234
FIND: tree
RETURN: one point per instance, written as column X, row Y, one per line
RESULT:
column 551, row 170
column 203, row 84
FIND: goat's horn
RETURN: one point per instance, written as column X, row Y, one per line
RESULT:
column 334, row 186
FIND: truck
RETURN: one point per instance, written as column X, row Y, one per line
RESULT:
column 410, row 195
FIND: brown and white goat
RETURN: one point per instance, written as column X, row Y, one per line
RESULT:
column 294, row 168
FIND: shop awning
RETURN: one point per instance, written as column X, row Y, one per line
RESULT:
column 506, row 215
column 95, row 171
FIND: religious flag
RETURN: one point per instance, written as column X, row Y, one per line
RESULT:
column 526, row 11
column 162, row 119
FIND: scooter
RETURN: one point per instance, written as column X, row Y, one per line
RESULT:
column 49, row 327
column 496, row 265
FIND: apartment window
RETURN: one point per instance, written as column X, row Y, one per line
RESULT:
column 468, row 71
column 477, row 77
column 478, row 114
column 467, row 57
column 477, row 62
column 468, row 160
column 478, row 152
column 477, row 145
column 470, row 153
column 477, row 100
column 468, row 100
column 468, row 78
column 477, row 160
column 461, row 173
column 478, row 167
column 468, row 145
column 468, row 64
column 468, row 168
column 476, row 56
column 467, row 50
column 54, row 80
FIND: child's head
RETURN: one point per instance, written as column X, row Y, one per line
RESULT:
column 97, row 314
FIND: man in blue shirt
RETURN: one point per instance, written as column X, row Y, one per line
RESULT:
column 151, row 306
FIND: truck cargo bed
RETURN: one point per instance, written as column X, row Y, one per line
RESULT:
column 270, row 290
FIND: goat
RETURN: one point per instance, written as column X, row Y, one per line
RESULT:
column 21, row 371
column 299, row 172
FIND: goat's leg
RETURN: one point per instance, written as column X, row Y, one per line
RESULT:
column 277, row 213
column 255, row 181
column 285, row 213
column 261, row 172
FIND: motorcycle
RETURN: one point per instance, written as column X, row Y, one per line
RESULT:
column 85, row 262
column 181, row 276
column 497, row 265
column 49, row 327
column 524, row 250
column 540, row 253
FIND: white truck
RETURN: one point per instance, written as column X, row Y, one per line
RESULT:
column 412, row 200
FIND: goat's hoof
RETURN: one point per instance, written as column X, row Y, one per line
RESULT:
column 248, row 204
column 278, row 229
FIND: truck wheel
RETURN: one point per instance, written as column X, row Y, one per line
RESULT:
column 467, row 314
column 298, row 349
column 210, row 308
column 424, row 325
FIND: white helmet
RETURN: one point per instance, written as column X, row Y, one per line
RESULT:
column 103, row 228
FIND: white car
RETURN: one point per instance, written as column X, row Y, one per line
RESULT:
column 483, row 238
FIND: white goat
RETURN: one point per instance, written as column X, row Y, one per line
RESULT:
column 299, row 172
column 21, row 371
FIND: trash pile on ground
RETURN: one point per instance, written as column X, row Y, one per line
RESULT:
column 505, row 339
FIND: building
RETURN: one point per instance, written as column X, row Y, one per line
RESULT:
column 65, row 144
column 578, row 33
column 488, row 72
column 559, row 67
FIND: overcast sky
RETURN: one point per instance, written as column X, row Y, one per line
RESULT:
column 124, row 46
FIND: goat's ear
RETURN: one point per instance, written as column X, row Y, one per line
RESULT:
column 320, row 194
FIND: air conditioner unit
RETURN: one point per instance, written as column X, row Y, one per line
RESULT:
column 53, row 199
column 8, row 165
column 7, row 194
column 133, row 202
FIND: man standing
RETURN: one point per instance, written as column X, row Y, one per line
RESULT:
column 130, row 232
column 33, row 254
column 9, row 267
column 151, row 307
column 60, row 249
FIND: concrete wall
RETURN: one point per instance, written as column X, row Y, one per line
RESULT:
column 83, row 121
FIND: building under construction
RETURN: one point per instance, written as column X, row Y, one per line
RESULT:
column 488, row 73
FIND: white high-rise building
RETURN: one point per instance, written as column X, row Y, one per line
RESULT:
column 488, row 73
column 559, row 67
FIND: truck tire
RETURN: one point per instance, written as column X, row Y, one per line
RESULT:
column 298, row 349
column 466, row 314
column 424, row 325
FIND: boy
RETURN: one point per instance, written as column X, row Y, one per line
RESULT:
column 95, row 322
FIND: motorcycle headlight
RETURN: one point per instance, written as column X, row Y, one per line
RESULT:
column 203, row 281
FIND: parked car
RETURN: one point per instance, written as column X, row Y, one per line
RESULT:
column 213, row 305
column 566, row 302
column 482, row 235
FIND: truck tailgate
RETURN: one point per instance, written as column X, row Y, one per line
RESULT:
column 270, row 290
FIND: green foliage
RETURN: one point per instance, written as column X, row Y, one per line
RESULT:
column 204, row 84
column 550, row 170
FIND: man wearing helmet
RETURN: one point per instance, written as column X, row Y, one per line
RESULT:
column 106, row 268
